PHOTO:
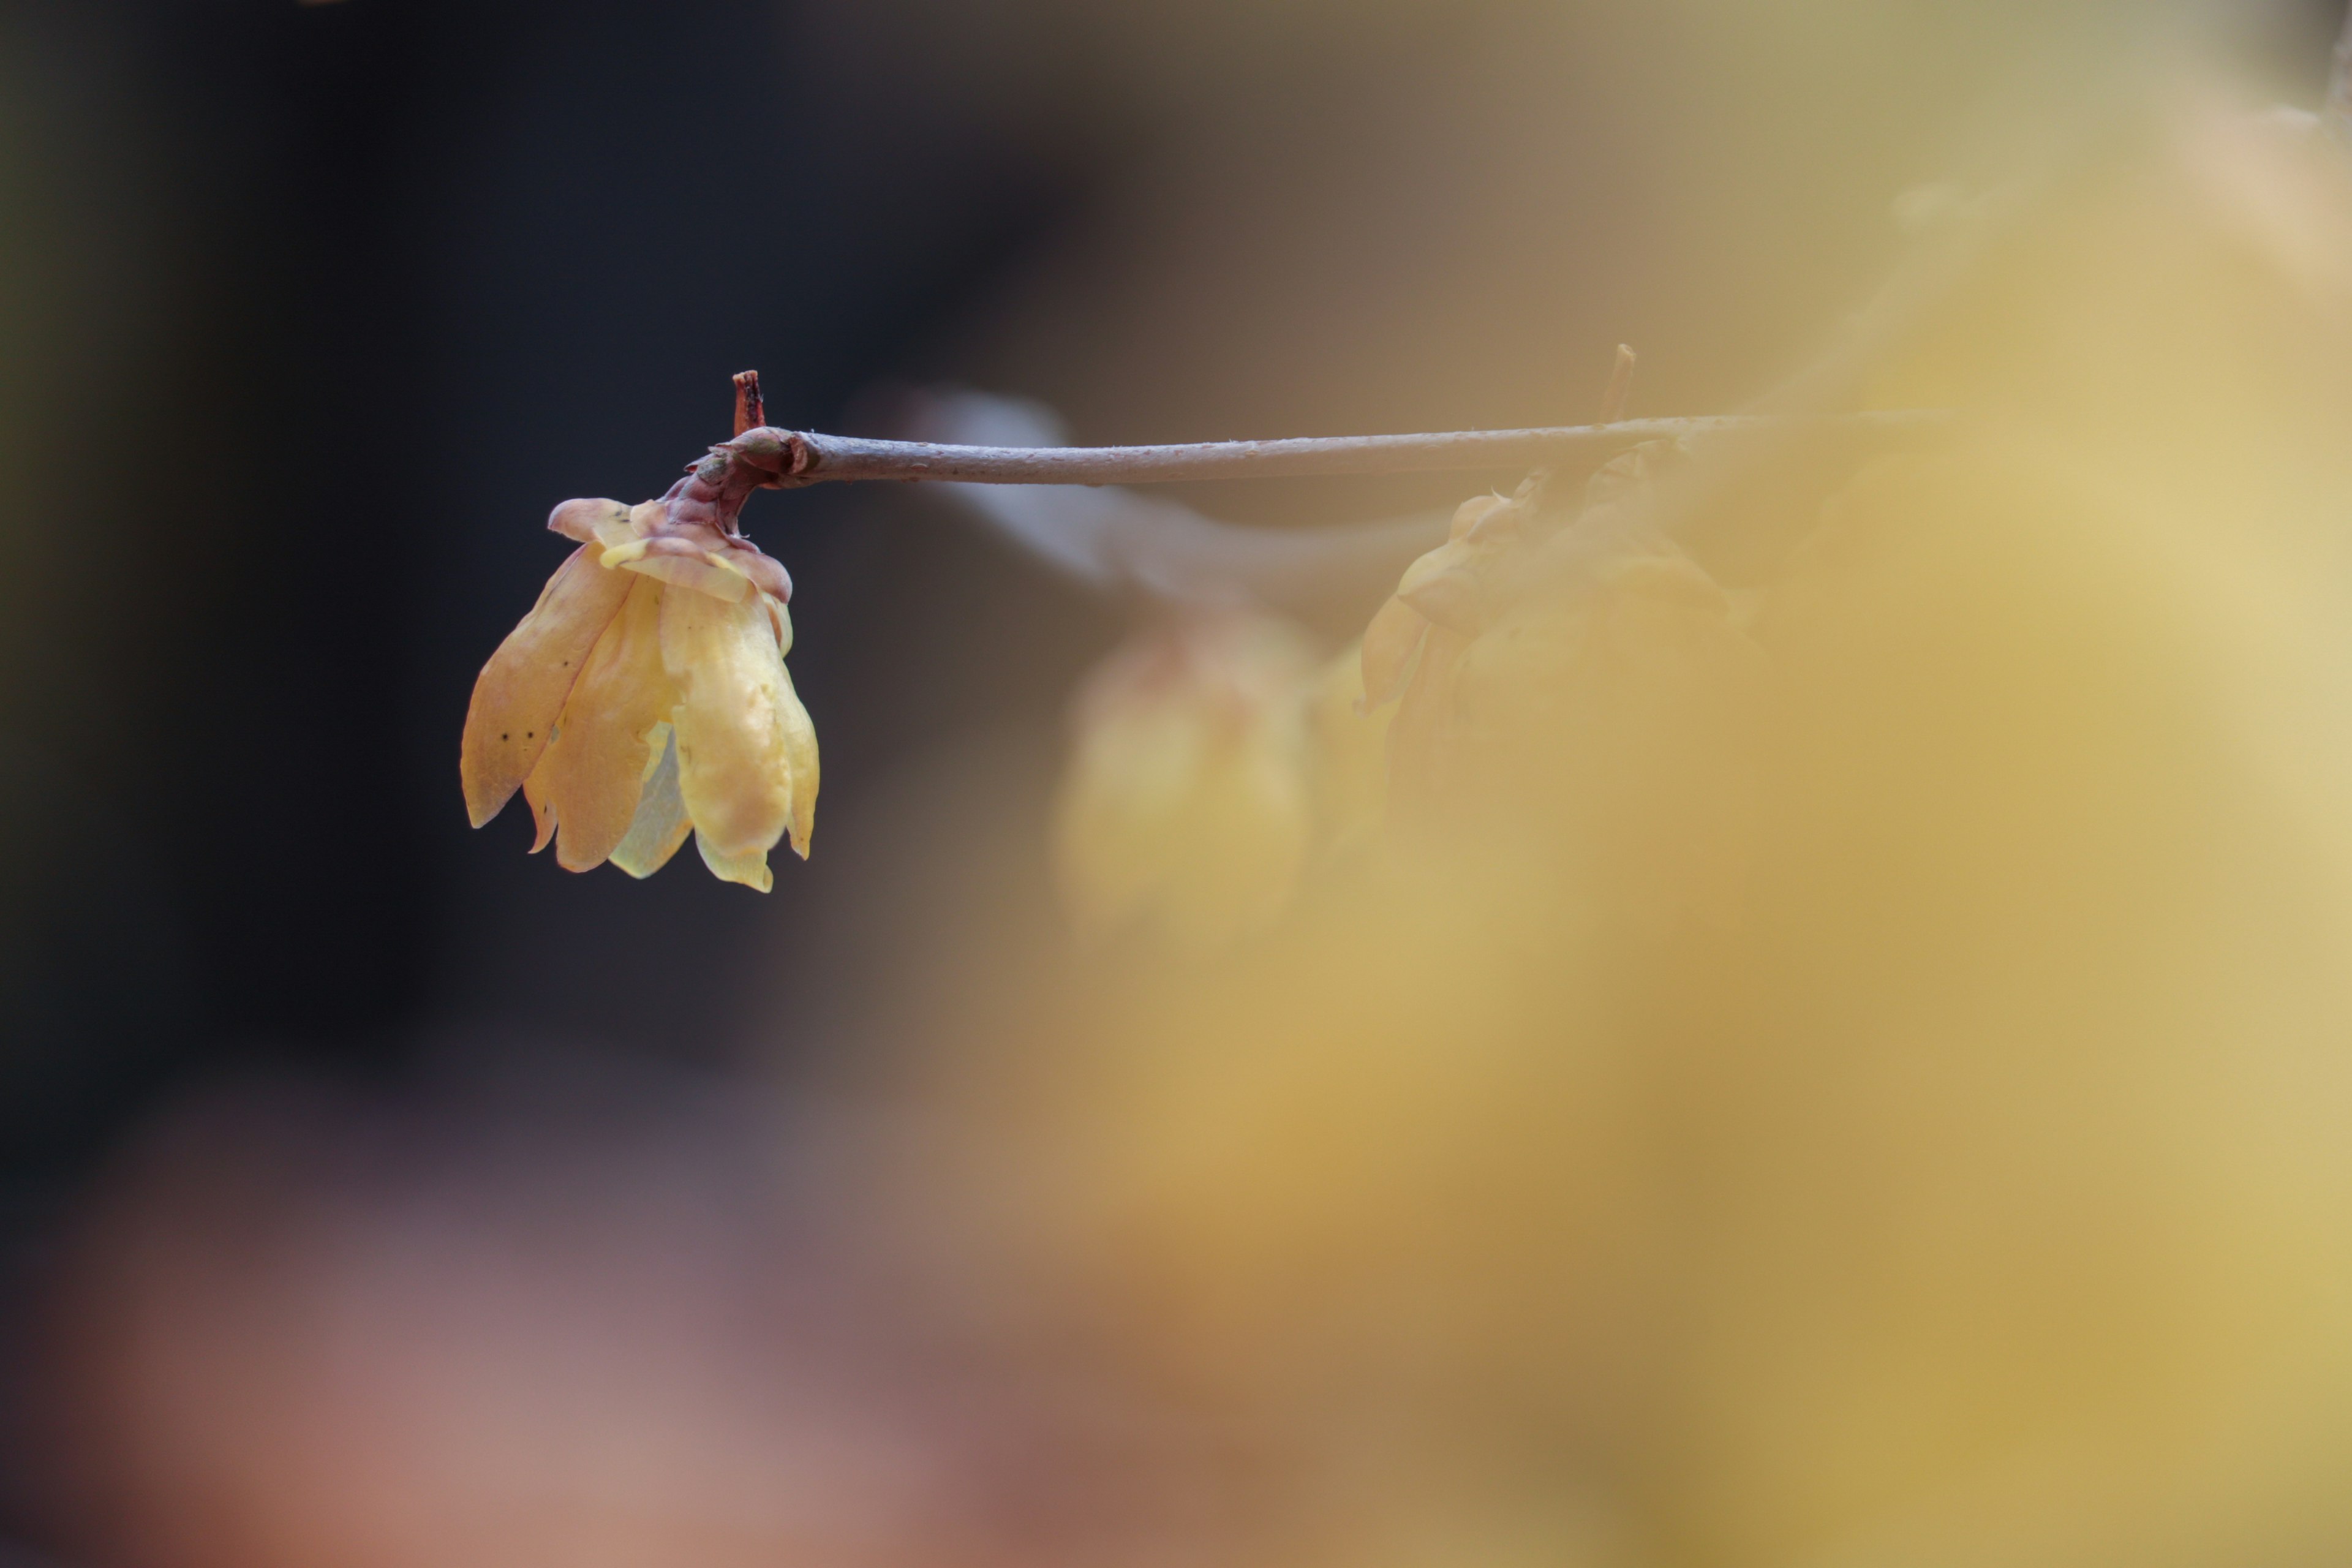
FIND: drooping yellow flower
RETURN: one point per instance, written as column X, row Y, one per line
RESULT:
column 646, row 695
column 1188, row 803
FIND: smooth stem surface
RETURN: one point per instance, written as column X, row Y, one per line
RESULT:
column 796, row 458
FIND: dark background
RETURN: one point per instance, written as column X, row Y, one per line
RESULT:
column 308, row 315
column 318, row 311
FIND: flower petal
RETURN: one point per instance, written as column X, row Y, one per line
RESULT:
column 1448, row 557
column 767, row 573
column 1390, row 642
column 682, row 564
column 734, row 749
column 591, row 521
column 1450, row 599
column 781, row 619
column 800, row 755
column 522, row 689
column 750, row 870
column 590, row 777
column 1473, row 512
column 537, row 796
column 661, row 823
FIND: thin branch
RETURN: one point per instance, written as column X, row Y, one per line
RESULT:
column 1120, row 541
column 790, row 458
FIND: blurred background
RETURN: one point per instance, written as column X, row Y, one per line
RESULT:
column 307, row 315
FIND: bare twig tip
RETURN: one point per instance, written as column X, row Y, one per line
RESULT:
column 751, row 410
column 1621, row 386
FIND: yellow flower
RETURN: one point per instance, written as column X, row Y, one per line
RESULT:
column 1583, row 693
column 1437, row 591
column 1188, row 805
column 1351, row 758
column 646, row 695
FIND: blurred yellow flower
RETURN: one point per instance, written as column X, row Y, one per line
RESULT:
column 1188, row 805
column 1350, row 758
column 646, row 695
column 1437, row 593
column 1580, row 678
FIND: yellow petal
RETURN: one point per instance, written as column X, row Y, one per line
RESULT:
column 613, row 528
column 1471, row 513
column 1169, row 814
column 661, row 823
column 1248, row 827
column 590, row 776
column 649, row 557
column 522, row 690
column 1390, row 643
column 1452, row 599
column 1119, row 833
column 734, row 754
column 1419, row 734
column 750, row 870
column 781, row 619
column 1351, row 769
column 1436, row 563
column 800, row 755
column 591, row 521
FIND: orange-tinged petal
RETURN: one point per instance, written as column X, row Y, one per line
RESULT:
column 661, row 823
column 522, row 689
column 734, row 756
column 591, row 776
column 538, row 796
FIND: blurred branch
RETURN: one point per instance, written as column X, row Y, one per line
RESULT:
column 1116, row 539
column 795, row 457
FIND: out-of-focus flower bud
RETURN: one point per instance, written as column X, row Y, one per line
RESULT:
column 1434, row 590
column 1582, row 689
column 1188, row 805
column 646, row 695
